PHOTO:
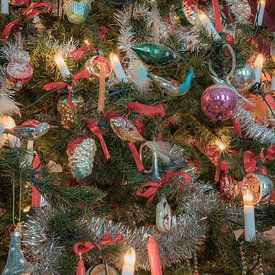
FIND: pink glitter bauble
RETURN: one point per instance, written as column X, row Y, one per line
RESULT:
column 219, row 102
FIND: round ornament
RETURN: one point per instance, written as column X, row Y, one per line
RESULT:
column 93, row 65
column 100, row 269
column 67, row 114
column 260, row 186
column 243, row 77
column 219, row 102
column 81, row 152
column 228, row 188
column 163, row 215
column 77, row 11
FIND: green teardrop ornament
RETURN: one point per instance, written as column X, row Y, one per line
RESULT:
column 155, row 54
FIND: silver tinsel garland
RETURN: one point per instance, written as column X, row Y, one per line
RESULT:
column 257, row 132
column 195, row 204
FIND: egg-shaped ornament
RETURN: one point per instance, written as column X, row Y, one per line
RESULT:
column 155, row 54
column 77, row 11
column 260, row 186
column 101, row 269
column 219, row 102
column 243, row 77
column 163, row 215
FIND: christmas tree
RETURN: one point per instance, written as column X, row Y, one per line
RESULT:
column 137, row 137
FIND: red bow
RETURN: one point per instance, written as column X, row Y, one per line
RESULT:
column 151, row 192
column 95, row 129
column 30, row 12
column 107, row 240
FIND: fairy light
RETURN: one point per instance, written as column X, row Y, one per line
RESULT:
column 87, row 42
column 220, row 145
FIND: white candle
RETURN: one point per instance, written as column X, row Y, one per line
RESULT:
column 260, row 12
column 9, row 123
column 209, row 27
column 5, row 6
column 119, row 72
column 129, row 262
column 258, row 64
column 62, row 66
column 273, row 81
column 249, row 218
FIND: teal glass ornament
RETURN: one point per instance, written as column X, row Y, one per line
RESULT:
column 155, row 54
column 16, row 263
column 170, row 87
column 77, row 11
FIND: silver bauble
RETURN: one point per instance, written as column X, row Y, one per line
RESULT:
column 260, row 186
column 243, row 77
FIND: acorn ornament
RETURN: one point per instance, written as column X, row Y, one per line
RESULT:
column 67, row 114
column 81, row 152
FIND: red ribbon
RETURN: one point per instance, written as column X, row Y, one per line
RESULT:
column 222, row 166
column 136, row 157
column 107, row 240
column 146, row 110
column 36, row 196
column 237, row 127
column 153, row 187
column 77, row 54
column 95, row 129
column 30, row 12
column 20, row 2
column 217, row 15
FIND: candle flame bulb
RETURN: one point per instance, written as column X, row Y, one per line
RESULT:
column 62, row 66
column 249, row 217
column 220, row 145
column 247, row 197
column 259, row 61
column 129, row 262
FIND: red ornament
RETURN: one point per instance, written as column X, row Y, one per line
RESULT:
column 228, row 189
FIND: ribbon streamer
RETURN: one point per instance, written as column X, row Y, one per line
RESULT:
column 146, row 110
column 95, row 129
column 36, row 196
column 217, row 15
column 153, row 187
column 136, row 156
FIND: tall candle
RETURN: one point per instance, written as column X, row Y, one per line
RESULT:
column 258, row 67
column 119, row 72
column 154, row 258
column 260, row 12
column 5, row 6
column 129, row 262
column 62, row 66
column 209, row 27
column 249, row 217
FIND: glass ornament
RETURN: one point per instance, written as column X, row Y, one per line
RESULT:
column 155, row 54
column 243, row 77
column 100, row 269
column 77, row 11
column 219, row 102
column 16, row 263
column 163, row 215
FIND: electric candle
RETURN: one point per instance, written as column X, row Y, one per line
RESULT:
column 273, row 81
column 119, row 72
column 249, row 218
column 153, row 254
column 9, row 123
column 205, row 21
column 258, row 67
column 62, row 66
column 129, row 262
column 5, row 6
column 260, row 12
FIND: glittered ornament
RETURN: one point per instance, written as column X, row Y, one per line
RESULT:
column 189, row 7
column 101, row 269
column 16, row 263
column 93, row 65
column 219, row 102
column 243, row 77
column 228, row 188
column 77, row 11
column 81, row 152
column 155, row 54
column 125, row 129
column 163, row 215
column 68, row 115
column 260, row 186
column 18, row 71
